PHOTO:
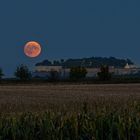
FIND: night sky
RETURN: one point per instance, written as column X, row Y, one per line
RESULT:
column 68, row 29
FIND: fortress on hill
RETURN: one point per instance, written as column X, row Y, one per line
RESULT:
column 116, row 66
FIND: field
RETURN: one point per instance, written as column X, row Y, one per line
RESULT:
column 69, row 97
column 78, row 112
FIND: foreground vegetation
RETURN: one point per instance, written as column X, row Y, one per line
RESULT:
column 70, row 112
column 100, row 124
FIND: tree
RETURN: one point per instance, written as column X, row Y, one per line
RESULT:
column 77, row 73
column 23, row 73
column 56, row 63
column 62, row 61
column 104, row 73
column 1, row 73
column 54, row 75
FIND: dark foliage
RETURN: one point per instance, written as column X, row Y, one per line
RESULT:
column 23, row 73
column 77, row 73
column 104, row 73
column 44, row 63
column 54, row 75
column 1, row 73
column 88, row 62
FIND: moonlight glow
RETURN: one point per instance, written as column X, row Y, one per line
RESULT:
column 32, row 49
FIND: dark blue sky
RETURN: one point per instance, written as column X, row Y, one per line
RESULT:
column 73, row 28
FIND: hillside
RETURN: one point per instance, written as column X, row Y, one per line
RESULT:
column 87, row 62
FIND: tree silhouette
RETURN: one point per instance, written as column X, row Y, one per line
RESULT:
column 23, row 73
column 1, row 73
column 77, row 73
column 104, row 73
column 54, row 75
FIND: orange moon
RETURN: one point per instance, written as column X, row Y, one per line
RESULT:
column 32, row 49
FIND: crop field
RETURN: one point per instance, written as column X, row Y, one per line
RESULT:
column 65, row 112
column 70, row 97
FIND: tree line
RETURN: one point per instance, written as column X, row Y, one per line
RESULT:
column 23, row 73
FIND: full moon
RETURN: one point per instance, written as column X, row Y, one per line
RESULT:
column 32, row 49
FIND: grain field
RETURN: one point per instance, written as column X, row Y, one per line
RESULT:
column 68, row 97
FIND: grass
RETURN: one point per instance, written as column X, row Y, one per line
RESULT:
column 70, row 112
